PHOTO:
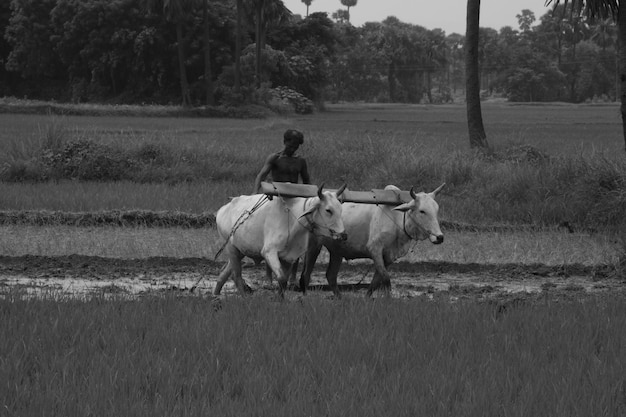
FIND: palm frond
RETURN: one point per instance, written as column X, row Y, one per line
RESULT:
column 593, row 9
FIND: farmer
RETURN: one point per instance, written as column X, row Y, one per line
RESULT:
column 285, row 166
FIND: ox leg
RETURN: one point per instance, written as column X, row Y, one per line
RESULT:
column 376, row 281
column 379, row 281
column 386, row 284
column 381, row 276
column 269, row 274
column 310, row 257
column 293, row 271
column 332, row 271
column 239, row 282
column 222, row 278
column 271, row 259
column 233, row 267
column 286, row 268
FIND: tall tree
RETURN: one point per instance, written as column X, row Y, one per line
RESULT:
column 259, row 38
column 477, row 135
column 308, row 4
column 208, row 81
column 603, row 9
column 267, row 13
column 30, row 38
column 348, row 4
column 238, row 34
column 176, row 11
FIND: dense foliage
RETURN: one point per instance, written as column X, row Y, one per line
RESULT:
column 128, row 51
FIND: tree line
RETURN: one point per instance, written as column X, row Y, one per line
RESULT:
column 231, row 52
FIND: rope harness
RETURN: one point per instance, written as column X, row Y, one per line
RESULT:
column 413, row 240
column 242, row 218
column 403, row 227
column 311, row 227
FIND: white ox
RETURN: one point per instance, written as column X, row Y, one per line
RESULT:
column 381, row 233
column 277, row 230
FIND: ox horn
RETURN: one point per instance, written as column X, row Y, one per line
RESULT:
column 319, row 191
column 412, row 192
column 341, row 189
column 434, row 193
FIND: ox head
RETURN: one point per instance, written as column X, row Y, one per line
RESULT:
column 421, row 216
column 324, row 214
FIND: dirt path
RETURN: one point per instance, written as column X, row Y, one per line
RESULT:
column 81, row 276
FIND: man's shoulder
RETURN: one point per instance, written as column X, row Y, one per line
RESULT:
column 273, row 156
column 279, row 155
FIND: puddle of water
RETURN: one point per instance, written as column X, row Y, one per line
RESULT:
column 402, row 285
column 79, row 288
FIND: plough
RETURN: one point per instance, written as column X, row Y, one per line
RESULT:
column 289, row 190
column 374, row 196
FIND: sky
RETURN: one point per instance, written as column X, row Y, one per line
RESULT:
column 448, row 15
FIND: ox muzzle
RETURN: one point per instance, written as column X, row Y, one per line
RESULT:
column 343, row 236
column 436, row 239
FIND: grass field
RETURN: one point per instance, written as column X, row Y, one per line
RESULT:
column 190, row 356
column 557, row 354
column 366, row 146
column 549, row 247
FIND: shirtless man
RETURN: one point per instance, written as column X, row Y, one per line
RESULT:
column 285, row 166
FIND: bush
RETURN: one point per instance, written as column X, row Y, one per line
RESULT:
column 87, row 161
column 23, row 171
column 299, row 102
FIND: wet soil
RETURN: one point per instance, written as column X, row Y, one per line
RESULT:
column 79, row 276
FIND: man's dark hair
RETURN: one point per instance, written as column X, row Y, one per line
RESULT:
column 292, row 134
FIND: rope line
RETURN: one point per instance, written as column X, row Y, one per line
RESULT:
column 242, row 218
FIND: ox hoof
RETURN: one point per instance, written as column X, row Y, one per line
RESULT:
column 216, row 304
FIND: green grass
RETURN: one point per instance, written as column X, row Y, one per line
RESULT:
column 94, row 196
column 163, row 356
column 204, row 161
column 549, row 247
column 385, row 357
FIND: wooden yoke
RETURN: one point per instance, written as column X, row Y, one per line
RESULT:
column 375, row 196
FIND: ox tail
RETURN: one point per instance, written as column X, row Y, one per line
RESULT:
column 193, row 288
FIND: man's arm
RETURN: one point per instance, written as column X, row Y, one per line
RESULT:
column 267, row 168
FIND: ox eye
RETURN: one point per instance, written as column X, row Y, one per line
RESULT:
column 329, row 211
column 422, row 212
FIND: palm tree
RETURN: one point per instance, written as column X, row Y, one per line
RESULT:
column 176, row 11
column 308, row 3
column 477, row 135
column 348, row 4
column 259, row 38
column 435, row 57
column 208, row 82
column 605, row 9
column 238, row 34
column 267, row 13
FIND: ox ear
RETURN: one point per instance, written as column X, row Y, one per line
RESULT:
column 341, row 190
column 310, row 210
column 434, row 193
column 404, row 207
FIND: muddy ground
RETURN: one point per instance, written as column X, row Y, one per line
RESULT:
column 79, row 276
